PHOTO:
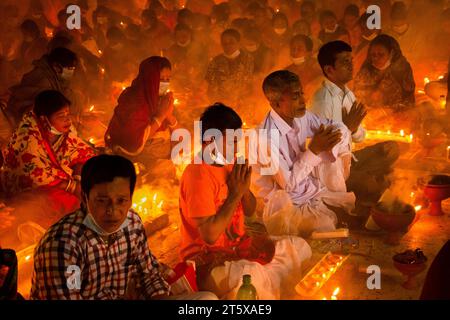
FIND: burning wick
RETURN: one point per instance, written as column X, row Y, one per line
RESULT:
column 91, row 108
column 100, row 52
column 176, row 102
column 402, row 133
column 440, row 77
column 27, row 257
column 420, row 91
column 123, row 88
column 417, row 208
column 102, row 70
column 426, row 80
column 410, row 137
column 91, row 140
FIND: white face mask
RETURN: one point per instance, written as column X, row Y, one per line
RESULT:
column 400, row 29
column 387, row 64
column 183, row 45
column 163, row 87
column 53, row 130
column 67, row 74
column 280, row 31
column 90, row 222
column 252, row 48
column 233, row 55
column 218, row 157
column 298, row 61
column 371, row 37
column 332, row 30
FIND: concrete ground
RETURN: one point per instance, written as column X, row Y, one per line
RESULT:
column 428, row 233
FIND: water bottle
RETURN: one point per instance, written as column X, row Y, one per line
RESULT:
column 247, row 291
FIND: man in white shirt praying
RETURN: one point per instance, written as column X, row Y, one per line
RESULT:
column 335, row 101
column 296, row 202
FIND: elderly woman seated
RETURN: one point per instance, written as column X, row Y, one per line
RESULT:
column 385, row 81
column 43, row 160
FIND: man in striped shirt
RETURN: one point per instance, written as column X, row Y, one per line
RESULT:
column 100, row 251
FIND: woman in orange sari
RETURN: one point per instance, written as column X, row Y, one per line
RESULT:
column 44, row 158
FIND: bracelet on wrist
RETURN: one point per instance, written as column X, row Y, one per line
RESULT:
column 69, row 185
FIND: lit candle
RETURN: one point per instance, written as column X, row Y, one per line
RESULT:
column 417, row 208
column 426, row 80
column 442, row 101
column 335, row 293
column 402, row 133
column 91, row 108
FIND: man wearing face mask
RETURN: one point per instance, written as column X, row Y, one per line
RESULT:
column 409, row 36
column 51, row 72
column 106, row 240
column 189, row 59
column 229, row 75
column 303, row 64
column 183, row 46
column 219, row 229
column 278, row 36
column 262, row 55
column 331, row 30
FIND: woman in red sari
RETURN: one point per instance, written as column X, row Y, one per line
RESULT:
column 144, row 109
column 43, row 160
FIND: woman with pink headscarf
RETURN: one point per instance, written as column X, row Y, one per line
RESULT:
column 144, row 108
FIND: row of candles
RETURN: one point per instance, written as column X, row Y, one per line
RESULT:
column 389, row 135
column 320, row 274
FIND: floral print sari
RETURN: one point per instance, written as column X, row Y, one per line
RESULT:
column 31, row 161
